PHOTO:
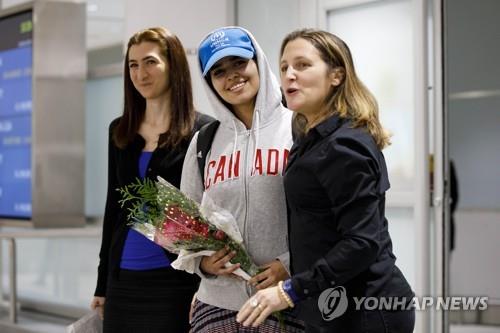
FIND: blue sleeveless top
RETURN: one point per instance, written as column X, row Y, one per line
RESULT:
column 139, row 253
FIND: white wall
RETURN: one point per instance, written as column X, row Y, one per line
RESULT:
column 9, row 3
column 104, row 102
column 270, row 20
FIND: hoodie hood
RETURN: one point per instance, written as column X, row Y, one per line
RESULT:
column 268, row 97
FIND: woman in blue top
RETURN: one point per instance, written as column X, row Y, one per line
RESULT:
column 137, row 289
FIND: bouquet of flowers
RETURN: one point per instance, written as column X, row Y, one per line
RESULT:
column 166, row 216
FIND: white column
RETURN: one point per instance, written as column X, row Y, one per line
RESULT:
column 422, row 179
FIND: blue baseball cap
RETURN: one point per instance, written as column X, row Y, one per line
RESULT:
column 224, row 42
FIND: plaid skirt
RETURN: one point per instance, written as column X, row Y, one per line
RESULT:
column 211, row 319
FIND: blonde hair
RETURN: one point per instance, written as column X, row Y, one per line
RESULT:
column 351, row 99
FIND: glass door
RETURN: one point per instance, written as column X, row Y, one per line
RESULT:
column 396, row 54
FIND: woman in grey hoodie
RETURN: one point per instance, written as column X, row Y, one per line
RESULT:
column 243, row 174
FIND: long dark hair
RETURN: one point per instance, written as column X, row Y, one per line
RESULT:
column 182, row 109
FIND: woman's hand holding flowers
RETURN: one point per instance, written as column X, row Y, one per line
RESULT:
column 216, row 263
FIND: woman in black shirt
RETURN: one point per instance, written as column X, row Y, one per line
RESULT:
column 335, row 184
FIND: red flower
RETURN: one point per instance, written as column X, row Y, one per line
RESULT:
column 220, row 235
column 180, row 226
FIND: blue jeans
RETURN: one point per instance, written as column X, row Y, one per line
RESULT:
column 370, row 321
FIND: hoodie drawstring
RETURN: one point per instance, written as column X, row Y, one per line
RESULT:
column 257, row 134
column 235, row 145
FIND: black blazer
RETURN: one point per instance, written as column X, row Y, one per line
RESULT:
column 335, row 185
column 123, row 169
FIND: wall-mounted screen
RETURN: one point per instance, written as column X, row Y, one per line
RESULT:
column 15, row 115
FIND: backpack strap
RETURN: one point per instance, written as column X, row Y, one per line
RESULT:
column 204, row 143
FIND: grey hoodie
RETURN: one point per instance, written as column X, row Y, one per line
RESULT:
column 244, row 174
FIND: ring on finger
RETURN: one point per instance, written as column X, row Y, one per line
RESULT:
column 260, row 307
column 254, row 302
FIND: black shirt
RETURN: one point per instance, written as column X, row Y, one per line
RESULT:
column 123, row 169
column 335, row 185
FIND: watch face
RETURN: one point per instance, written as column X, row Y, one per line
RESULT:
column 288, row 288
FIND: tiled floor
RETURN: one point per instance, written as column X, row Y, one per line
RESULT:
column 33, row 323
